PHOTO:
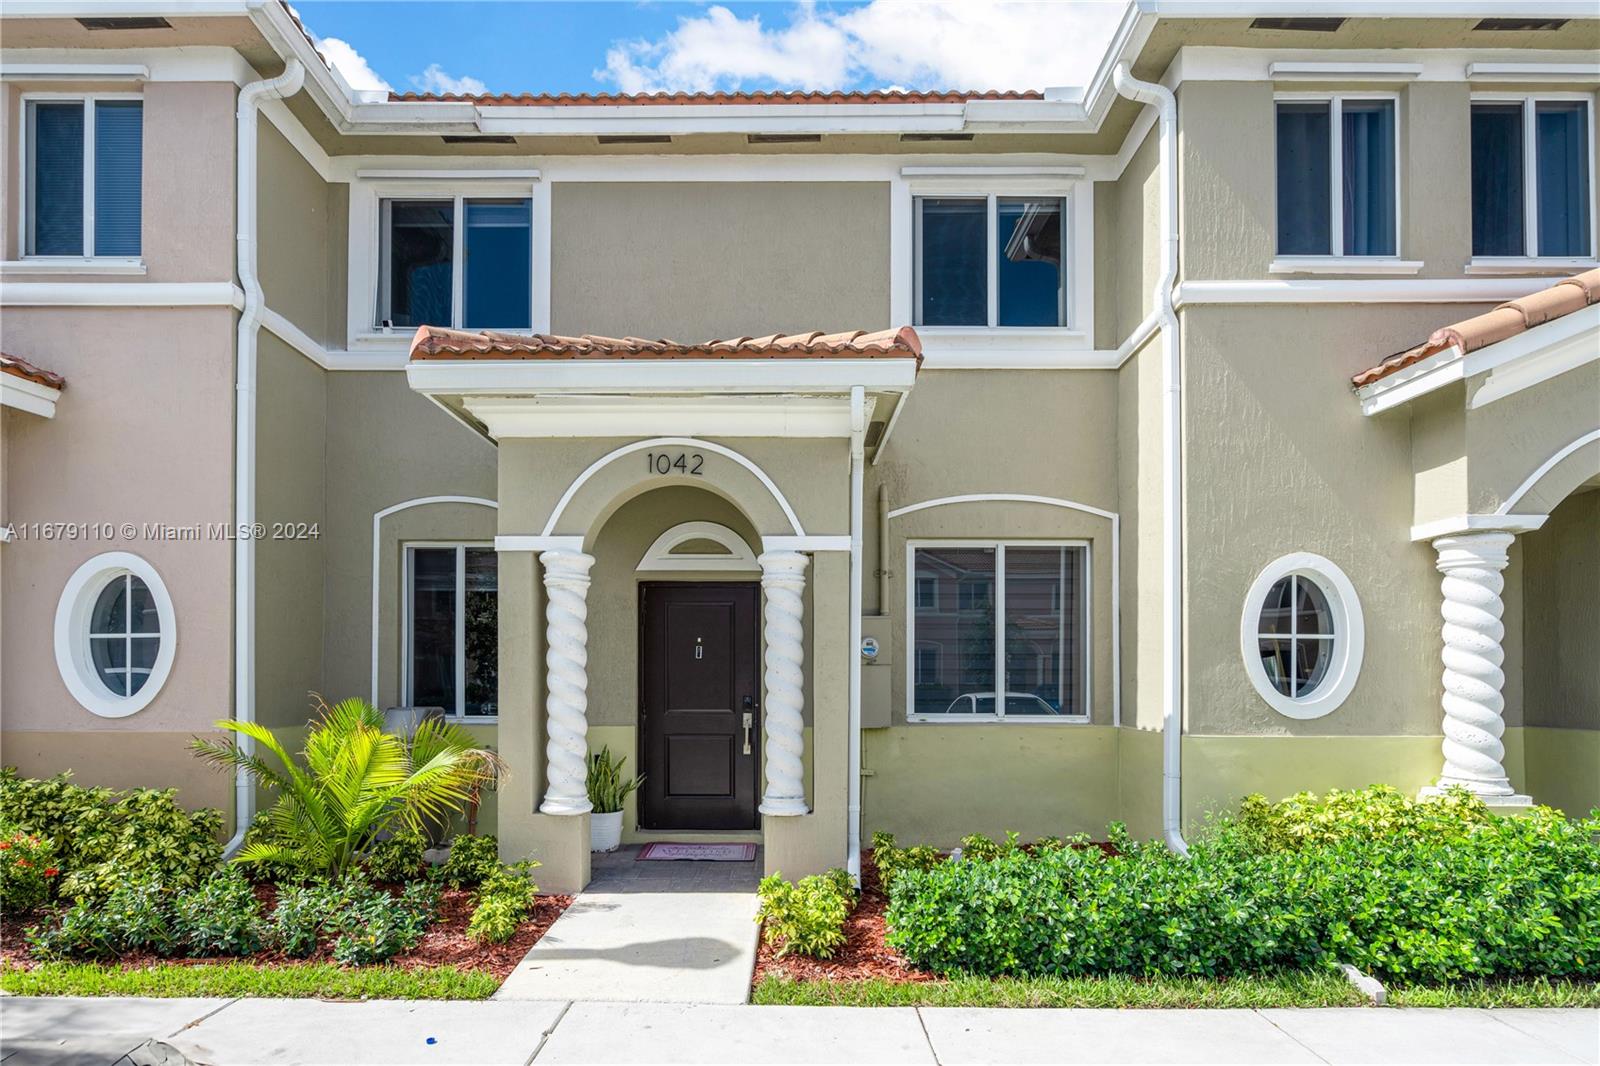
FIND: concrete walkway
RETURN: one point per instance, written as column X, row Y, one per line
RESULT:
column 666, row 932
column 133, row 1032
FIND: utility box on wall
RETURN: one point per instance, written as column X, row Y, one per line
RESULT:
column 876, row 670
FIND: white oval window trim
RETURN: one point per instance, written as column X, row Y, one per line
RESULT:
column 73, row 658
column 1349, row 635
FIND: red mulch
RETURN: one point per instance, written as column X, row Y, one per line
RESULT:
column 864, row 955
column 444, row 944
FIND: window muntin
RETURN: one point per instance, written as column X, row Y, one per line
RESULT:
column 464, row 262
column 1532, row 186
column 84, row 174
column 991, row 261
column 1336, row 176
column 452, row 629
column 1041, row 598
column 124, row 634
column 1301, row 635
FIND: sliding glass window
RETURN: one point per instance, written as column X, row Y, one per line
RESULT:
column 1336, row 177
column 461, row 262
column 1532, row 179
column 84, row 177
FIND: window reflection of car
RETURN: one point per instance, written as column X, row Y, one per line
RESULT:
column 1017, row 703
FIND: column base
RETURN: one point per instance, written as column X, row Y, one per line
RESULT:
column 560, row 844
column 1512, row 804
column 553, row 805
column 783, row 808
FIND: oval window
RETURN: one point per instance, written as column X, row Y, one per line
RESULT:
column 1301, row 636
column 115, row 634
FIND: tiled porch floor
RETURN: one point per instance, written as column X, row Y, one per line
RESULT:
column 620, row 871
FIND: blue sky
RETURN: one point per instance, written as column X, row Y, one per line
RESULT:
column 628, row 46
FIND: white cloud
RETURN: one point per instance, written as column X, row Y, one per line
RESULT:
column 436, row 80
column 931, row 44
column 350, row 64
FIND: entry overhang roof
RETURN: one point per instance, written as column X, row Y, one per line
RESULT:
column 27, row 387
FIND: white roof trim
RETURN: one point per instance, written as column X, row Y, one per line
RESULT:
column 30, row 396
column 489, row 377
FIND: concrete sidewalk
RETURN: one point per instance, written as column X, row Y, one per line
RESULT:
column 134, row 1032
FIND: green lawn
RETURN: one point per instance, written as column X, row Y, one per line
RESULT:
column 319, row 980
column 1274, row 990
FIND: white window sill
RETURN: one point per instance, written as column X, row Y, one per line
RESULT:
column 989, row 719
column 1344, row 264
column 1528, row 265
column 73, row 265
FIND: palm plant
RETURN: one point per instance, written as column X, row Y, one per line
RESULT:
column 356, row 781
column 607, row 788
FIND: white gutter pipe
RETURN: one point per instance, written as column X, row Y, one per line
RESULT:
column 858, row 454
column 1160, row 97
column 244, row 424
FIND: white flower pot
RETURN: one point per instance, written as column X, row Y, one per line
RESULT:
column 605, row 831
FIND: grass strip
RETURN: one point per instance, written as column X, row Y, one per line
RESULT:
column 1269, row 990
column 309, row 980
column 1521, row 992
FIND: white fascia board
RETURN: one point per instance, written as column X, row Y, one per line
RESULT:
column 1435, row 372
column 1522, row 72
column 654, row 119
column 1428, row 9
column 613, row 416
column 54, row 9
column 488, row 377
column 30, row 396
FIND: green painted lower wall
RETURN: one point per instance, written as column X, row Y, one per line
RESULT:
column 1562, row 768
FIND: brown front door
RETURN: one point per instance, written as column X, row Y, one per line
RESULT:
column 699, row 696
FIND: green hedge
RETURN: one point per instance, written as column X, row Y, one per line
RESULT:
column 1430, row 891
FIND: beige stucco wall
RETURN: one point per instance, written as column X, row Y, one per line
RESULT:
column 187, row 185
column 104, row 459
column 301, row 245
column 705, row 260
column 1560, row 592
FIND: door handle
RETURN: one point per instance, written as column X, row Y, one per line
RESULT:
column 749, row 722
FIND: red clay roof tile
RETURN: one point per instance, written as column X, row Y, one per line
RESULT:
column 875, row 96
column 1507, row 320
column 434, row 342
column 17, row 366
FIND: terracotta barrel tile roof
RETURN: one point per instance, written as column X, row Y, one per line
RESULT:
column 434, row 342
column 1507, row 320
column 17, row 366
column 876, row 96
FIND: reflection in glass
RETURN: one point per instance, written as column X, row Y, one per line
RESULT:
column 433, row 628
column 1030, row 279
column 965, row 635
column 482, row 632
column 417, row 254
column 1295, row 636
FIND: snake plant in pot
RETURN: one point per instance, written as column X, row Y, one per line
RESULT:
column 608, row 791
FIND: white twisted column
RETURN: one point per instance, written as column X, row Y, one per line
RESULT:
column 783, row 579
column 566, row 612
column 1473, row 704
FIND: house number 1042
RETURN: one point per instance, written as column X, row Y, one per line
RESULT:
column 682, row 462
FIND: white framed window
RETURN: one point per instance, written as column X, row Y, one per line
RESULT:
column 1302, row 636
column 1017, row 646
column 1533, row 184
column 82, row 175
column 1338, row 175
column 115, row 634
column 460, row 261
column 450, row 619
column 993, row 260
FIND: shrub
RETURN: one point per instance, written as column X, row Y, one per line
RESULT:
column 28, row 870
column 1415, row 895
column 375, row 926
column 893, row 860
column 608, row 790
column 352, row 782
column 806, row 917
column 399, row 858
column 134, row 917
column 104, row 838
column 979, row 848
column 221, row 917
column 472, row 859
column 304, row 914
column 505, row 901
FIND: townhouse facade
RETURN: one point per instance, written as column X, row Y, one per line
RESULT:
column 1015, row 461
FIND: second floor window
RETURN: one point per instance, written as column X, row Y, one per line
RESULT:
column 461, row 262
column 991, row 261
column 1531, row 191
column 1336, row 177
column 85, row 161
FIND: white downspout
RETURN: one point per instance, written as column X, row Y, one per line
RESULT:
column 244, row 423
column 1159, row 96
column 858, row 431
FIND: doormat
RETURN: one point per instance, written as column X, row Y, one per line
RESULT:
column 699, row 852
